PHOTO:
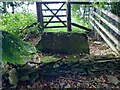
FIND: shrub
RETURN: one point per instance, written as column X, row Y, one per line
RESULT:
column 14, row 23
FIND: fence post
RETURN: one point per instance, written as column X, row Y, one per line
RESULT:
column 40, row 15
column 69, row 16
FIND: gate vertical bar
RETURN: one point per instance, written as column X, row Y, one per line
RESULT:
column 40, row 15
column 69, row 16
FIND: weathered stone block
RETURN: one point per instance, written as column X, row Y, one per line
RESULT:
column 64, row 43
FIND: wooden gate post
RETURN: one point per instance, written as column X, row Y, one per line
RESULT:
column 69, row 16
column 40, row 15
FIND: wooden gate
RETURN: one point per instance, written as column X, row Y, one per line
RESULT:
column 67, row 23
column 45, row 24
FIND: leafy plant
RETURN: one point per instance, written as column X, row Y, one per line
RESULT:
column 80, row 14
column 115, row 8
column 100, row 4
column 14, row 49
column 15, row 23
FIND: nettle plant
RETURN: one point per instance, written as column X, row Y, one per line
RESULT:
column 16, row 23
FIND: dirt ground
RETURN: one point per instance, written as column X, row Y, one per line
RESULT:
column 105, row 78
column 99, row 48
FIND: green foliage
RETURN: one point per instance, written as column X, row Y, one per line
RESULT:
column 80, row 14
column 76, row 10
column 14, row 23
column 74, row 29
column 100, row 4
column 115, row 8
column 15, row 50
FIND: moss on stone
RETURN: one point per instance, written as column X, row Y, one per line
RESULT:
column 64, row 43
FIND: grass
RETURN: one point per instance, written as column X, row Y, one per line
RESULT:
column 74, row 29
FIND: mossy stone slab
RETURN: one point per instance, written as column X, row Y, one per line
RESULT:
column 63, row 43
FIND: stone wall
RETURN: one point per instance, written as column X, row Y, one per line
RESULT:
column 64, row 43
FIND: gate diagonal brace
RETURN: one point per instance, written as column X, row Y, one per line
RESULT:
column 55, row 15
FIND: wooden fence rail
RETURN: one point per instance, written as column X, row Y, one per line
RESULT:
column 96, row 21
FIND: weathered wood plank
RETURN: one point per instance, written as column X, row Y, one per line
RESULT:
column 106, row 32
column 52, row 2
column 110, row 44
column 54, row 9
column 79, row 26
column 54, row 16
column 39, row 13
column 69, row 17
column 114, row 28
column 71, row 2
column 109, row 14
column 54, row 21
column 55, row 26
